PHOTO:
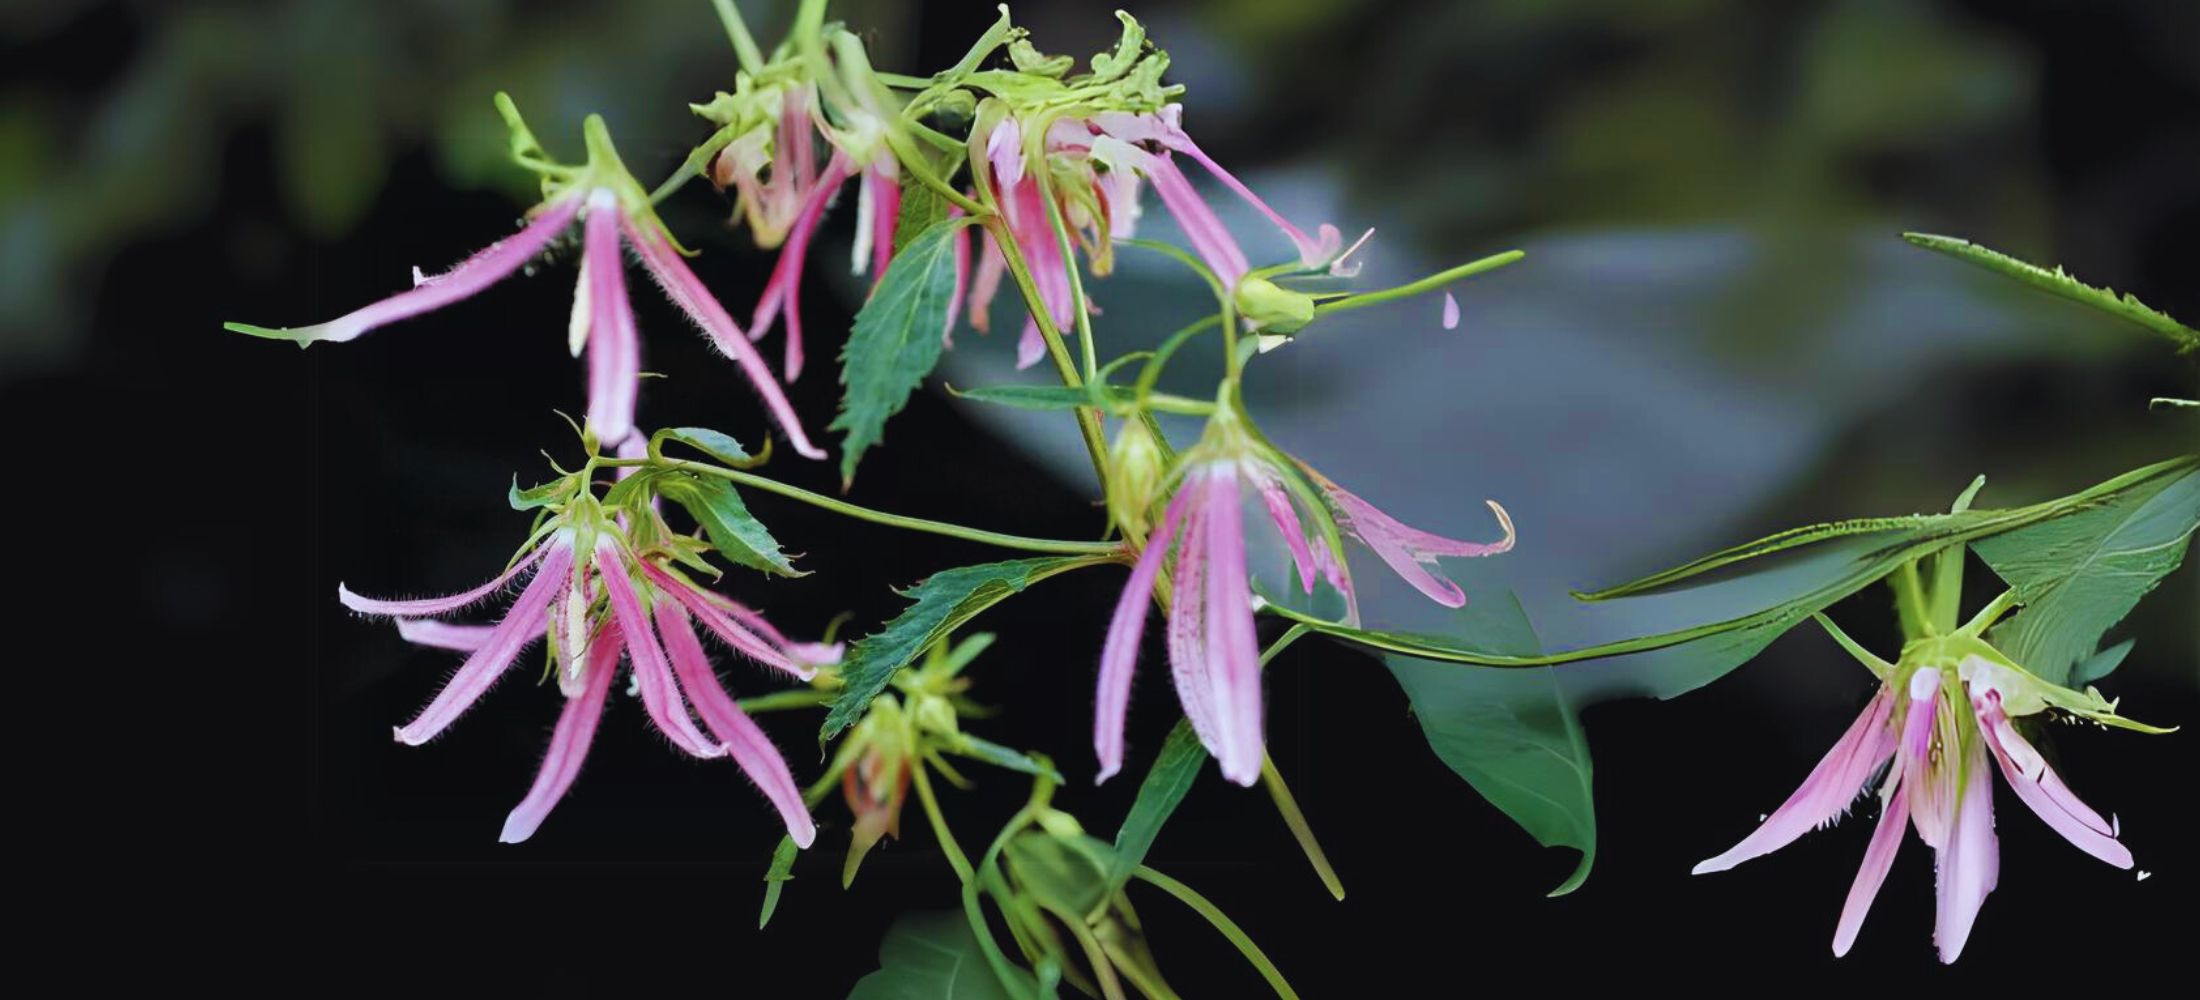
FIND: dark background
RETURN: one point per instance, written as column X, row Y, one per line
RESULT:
column 168, row 167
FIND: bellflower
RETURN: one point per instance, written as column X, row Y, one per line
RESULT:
column 1212, row 648
column 612, row 208
column 1938, row 717
column 594, row 600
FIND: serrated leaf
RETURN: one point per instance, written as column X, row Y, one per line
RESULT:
column 1049, row 397
column 733, row 531
column 780, row 873
column 896, row 340
column 2081, row 573
column 943, row 602
column 539, row 496
column 1170, row 778
column 2055, row 282
column 921, row 209
column 1512, row 734
column 626, row 490
column 717, row 445
column 935, row 956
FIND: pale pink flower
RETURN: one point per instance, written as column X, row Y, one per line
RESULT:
column 593, row 610
column 1932, row 731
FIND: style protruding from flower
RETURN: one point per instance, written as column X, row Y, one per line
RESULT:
column 611, row 207
column 1940, row 714
column 596, row 596
column 1213, row 651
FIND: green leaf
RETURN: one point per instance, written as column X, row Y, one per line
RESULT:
column 2055, row 282
column 1512, row 734
column 921, row 209
column 1000, row 756
column 719, row 446
column 1049, row 397
column 944, row 601
column 781, row 872
column 1068, row 879
column 734, row 532
column 625, row 491
column 2081, row 573
column 539, row 496
column 2100, row 664
column 896, row 340
column 1170, row 778
column 935, row 956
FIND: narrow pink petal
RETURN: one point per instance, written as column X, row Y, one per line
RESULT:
column 744, row 742
column 1004, row 149
column 1202, row 228
column 1410, row 552
column 427, row 606
column 688, row 292
column 765, row 650
column 569, row 742
column 962, row 275
column 1031, row 346
column 1451, row 311
column 1312, row 251
column 660, row 695
column 1286, row 518
column 444, row 635
column 1233, row 647
column 783, row 292
column 992, row 265
column 1970, row 865
column 795, row 155
column 1827, row 792
column 526, row 619
column 885, row 218
column 614, row 348
column 1934, row 795
column 2077, row 825
column 1878, row 858
column 1187, row 635
column 1119, row 655
column 487, row 267
column 1332, row 568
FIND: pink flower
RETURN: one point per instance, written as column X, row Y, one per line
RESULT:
column 1108, row 155
column 603, row 318
column 592, row 610
column 1937, row 727
column 1212, row 648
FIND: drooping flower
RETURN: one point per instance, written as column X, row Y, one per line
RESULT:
column 1938, row 716
column 593, row 609
column 611, row 206
column 1212, row 648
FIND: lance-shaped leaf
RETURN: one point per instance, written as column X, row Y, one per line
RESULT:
column 733, row 531
column 1174, row 770
column 1050, row 397
column 2080, row 573
column 1512, row 734
column 538, row 496
column 713, row 443
column 2057, row 283
column 776, row 878
column 944, row 601
column 896, row 340
column 935, row 956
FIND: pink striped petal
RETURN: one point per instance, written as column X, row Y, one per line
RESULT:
column 1878, row 858
column 882, row 192
column 614, row 348
column 427, row 606
column 1119, row 655
column 686, row 291
column 1233, row 647
column 1410, row 552
column 765, row 650
column 526, row 619
column 1202, row 228
column 2056, row 806
column 1934, row 795
column 1187, row 634
column 962, row 275
column 444, row 635
column 783, row 292
column 1313, row 251
column 485, row 268
column 1970, row 865
column 1004, row 150
column 1827, row 792
column 1286, row 518
column 744, row 742
column 660, row 695
column 569, row 742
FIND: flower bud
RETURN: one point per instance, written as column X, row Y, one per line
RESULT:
column 1272, row 308
column 1136, row 468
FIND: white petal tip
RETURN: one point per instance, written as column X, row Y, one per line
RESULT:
column 517, row 828
column 803, row 835
column 1714, row 865
column 1451, row 311
column 399, row 734
column 2144, row 874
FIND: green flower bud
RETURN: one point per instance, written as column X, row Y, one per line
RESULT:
column 1136, row 469
column 1271, row 308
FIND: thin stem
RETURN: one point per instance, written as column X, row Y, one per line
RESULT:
column 744, row 47
column 1088, row 419
column 783, row 700
column 1428, row 284
column 1045, row 545
column 1229, row 928
column 1288, row 806
column 1063, row 244
column 955, row 857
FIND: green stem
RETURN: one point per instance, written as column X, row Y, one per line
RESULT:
column 1288, row 806
column 1430, row 283
column 1229, row 928
column 1088, row 419
column 1046, row 545
column 1064, row 246
column 956, row 859
column 744, row 47
column 782, row 700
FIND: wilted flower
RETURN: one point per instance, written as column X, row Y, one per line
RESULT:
column 610, row 206
column 590, row 610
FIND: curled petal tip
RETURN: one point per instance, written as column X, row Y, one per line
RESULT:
column 1107, row 770
column 1504, row 521
column 803, row 834
column 399, row 734
column 1710, row 865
